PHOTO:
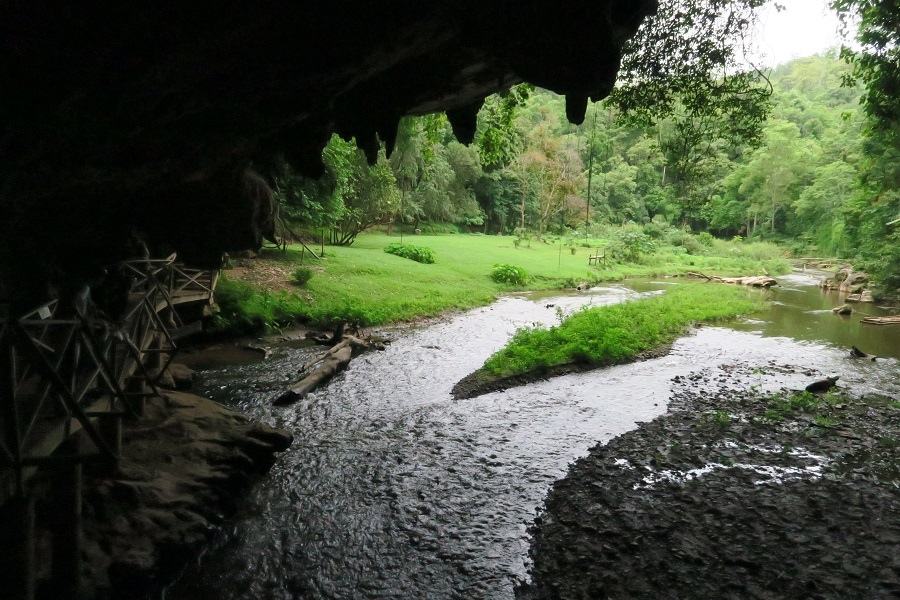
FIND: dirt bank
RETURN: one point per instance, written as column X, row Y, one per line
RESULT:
column 731, row 495
column 480, row 382
column 183, row 469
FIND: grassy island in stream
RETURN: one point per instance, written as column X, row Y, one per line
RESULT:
column 364, row 285
column 608, row 335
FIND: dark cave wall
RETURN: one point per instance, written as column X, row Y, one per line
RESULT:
column 140, row 119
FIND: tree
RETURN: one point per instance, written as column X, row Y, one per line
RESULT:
column 876, row 64
column 873, row 214
column 773, row 174
column 497, row 138
column 821, row 205
column 691, row 52
column 551, row 167
column 370, row 195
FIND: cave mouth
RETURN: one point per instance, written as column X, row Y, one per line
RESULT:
column 140, row 124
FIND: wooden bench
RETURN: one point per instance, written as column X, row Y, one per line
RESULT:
column 597, row 256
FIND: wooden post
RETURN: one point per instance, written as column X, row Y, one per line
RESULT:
column 67, row 536
column 17, row 575
column 136, row 394
column 110, row 426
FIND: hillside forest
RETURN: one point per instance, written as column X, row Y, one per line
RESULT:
column 816, row 177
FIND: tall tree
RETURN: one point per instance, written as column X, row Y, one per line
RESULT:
column 874, row 214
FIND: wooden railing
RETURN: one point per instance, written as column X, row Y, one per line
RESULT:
column 61, row 372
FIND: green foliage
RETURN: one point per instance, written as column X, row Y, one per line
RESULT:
column 705, row 238
column 369, row 193
column 416, row 253
column 245, row 310
column 876, row 59
column 497, row 139
column 684, row 240
column 509, row 274
column 631, row 243
column 301, row 275
column 621, row 331
column 716, row 418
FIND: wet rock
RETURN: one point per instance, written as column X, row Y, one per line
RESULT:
column 182, row 376
column 183, row 467
column 852, row 281
column 823, row 385
column 843, row 309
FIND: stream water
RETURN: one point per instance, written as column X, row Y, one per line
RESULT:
column 394, row 490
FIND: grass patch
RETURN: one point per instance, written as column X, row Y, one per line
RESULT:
column 363, row 284
column 622, row 331
column 417, row 253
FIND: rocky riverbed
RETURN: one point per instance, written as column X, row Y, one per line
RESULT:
column 734, row 493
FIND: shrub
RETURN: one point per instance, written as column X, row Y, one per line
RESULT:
column 630, row 243
column 416, row 253
column 522, row 235
column 685, row 240
column 509, row 274
column 705, row 238
column 301, row 275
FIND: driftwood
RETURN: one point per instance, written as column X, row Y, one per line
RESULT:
column 322, row 367
column 882, row 320
column 857, row 353
column 763, row 281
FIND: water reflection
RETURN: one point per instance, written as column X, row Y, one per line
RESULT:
column 802, row 311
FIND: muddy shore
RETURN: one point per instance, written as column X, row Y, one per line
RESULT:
column 731, row 494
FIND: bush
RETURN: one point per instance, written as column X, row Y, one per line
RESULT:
column 509, row 275
column 301, row 275
column 630, row 243
column 416, row 253
column 705, row 238
column 685, row 240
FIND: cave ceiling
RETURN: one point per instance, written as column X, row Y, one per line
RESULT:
column 141, row 118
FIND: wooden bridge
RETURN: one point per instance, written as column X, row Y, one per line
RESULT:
column 66, row 381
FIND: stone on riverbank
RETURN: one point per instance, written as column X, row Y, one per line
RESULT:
column 184, row 468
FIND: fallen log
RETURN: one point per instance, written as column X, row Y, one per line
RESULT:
column 761, row 281
column 882, row 320
column 322, row 367
column 331, row 365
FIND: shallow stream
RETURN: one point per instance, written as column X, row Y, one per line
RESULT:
column 394, row 490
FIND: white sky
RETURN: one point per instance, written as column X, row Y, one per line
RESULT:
column 803, row 28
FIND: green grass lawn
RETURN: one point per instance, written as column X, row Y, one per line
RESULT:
column 620, row 332
column 365, row 285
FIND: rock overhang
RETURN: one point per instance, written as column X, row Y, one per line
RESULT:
column 141, row 119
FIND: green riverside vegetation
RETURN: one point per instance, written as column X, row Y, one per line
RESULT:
column 364, row 285
column 617, row 333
